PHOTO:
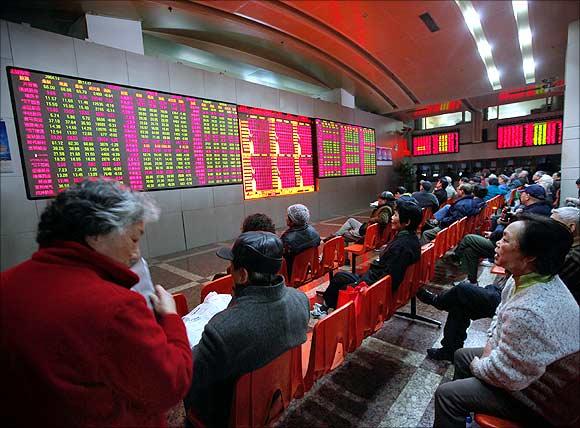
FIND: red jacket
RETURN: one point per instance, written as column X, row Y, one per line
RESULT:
column 78, row 348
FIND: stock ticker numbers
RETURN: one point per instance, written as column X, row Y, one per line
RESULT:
column 436, row 144
column 277, row 156
column 71, row 128
column 529, row 134
column 345, row 149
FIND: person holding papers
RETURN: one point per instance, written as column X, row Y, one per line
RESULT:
column 264, row 319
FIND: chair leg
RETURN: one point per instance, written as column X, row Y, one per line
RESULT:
column 353, row 263
column 413, row 314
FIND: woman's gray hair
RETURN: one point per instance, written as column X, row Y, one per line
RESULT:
column 91, row 208
column 299, row 214
column 569, row 215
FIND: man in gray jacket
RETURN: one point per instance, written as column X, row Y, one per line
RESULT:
column 264, row 319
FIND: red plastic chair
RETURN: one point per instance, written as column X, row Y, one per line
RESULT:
column 304, row 267
column 441, row 240
column 405, row 290
column 427, row 268
column 332, row 256
column 375, row 308
column 512, row 197
column 426, row 215
column 223, row 285
column 324, row 354
column 385, row 236
column 369, row 243
column 488, row 421
column 181, row 304
column 261, row 396
column 462, row 228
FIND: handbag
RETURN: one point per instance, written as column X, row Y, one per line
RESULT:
column 363, row 229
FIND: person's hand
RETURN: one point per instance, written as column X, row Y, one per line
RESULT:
column 487, row 234
column 163, row 301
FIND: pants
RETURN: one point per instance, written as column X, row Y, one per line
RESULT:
column 455, row 400
column 349, row 230
column 339, row 282
column 464, row 303
column 470, row 250
column 429, row 235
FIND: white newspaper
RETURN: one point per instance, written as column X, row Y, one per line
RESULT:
column 196, row 320
column 145, row 284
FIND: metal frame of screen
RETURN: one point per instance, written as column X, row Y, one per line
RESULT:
column 525, row 122
column 315, row 142
column 434, row 133
column 282, row 115
column 19, row 136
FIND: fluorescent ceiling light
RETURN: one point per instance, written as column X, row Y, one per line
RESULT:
column 473, row 22
column 520, row 9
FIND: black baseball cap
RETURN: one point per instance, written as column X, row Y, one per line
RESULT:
column 256, row 251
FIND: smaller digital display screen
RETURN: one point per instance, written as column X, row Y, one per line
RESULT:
column 277, row 156
column 529, row 134
column 436, row 144
column 345, row 149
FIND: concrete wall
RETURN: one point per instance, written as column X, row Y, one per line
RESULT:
column 190, row 217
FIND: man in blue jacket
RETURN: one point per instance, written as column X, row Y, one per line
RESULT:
column 465, row 206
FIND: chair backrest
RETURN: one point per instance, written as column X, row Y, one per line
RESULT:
column 181, row 304
column 371, row 236
column 304, row 267
column 461, row 229
column 385, row 236
column 326, row 335
column 441, row 244
column 284, row 271
column 261, row 396
column 223, row 285
column 375, row 308
column 512, row 197
column 426, row 215
column 427, row 268
column 406, row 288
column 332, row 255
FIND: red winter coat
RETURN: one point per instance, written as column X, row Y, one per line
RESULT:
column 78, row 348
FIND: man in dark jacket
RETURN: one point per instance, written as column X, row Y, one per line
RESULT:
column 299, row 236
column 402, row 252
column 424, row 196
column 264, row 319
column 441, row 190
column 465, row 206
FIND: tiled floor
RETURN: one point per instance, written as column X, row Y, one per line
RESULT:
column 386, row 382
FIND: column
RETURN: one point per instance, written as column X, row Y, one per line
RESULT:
column 571, row 138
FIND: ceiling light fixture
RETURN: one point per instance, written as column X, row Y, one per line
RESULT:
column 473, row 22
column 525, row 37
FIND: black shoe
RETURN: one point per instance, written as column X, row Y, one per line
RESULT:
column 440, row 354
column 347, row 261
column 426, row 296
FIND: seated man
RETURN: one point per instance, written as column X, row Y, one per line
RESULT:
column 351, row 229
column 299, row 236
column 529, row 368
column 464, row 206
column 466, row 302
column 264, row 319
column 440, row 190
column 479, row 194
column 424, row 196
column 399, row 254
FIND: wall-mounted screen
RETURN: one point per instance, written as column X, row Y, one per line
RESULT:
column 276, row 153
column 529, row 134
column 70, row 128
column 436, row 144
column 345, row 149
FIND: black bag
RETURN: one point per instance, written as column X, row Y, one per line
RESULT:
column 363, row 229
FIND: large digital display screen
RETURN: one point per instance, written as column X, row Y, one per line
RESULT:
column 436, row 144
column 345, row 149
column 70, row 128
column 530, row 134
column 276, row 153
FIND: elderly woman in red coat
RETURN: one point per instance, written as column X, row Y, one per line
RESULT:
column 78, row 347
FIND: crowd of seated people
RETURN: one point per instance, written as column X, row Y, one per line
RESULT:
column 133, row 363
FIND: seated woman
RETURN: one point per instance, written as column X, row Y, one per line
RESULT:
column 402, row 252
column 78, row 347
column 299, row 236
column 528, row 371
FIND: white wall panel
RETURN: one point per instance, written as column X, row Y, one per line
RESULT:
column 16, row 248
column 14, row 150
column 168, row 200
column 200, row 227
column 98, row 62
column 248, row 93
column 269, row 98
column 289, row 102
column 166, row 235
column 228, row 195
column 219, row 87
column 5, row 101
column 186, row 80
column 41, row 50
column 305, row 106
column 5, row 50
column 198, row 198
column 229, row 219
column 18, row 215
column 148, row 72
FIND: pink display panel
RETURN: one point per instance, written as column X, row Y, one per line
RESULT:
column 276, row 153
column 529, row 134
column 345, row 149
column 70, row 129
column 436, row 144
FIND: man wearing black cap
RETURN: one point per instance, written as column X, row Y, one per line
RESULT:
column 264, row 319
column 351, row 229
column 424, row 196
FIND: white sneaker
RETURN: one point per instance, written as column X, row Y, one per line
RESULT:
column 486, row 263
column 318, row 312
